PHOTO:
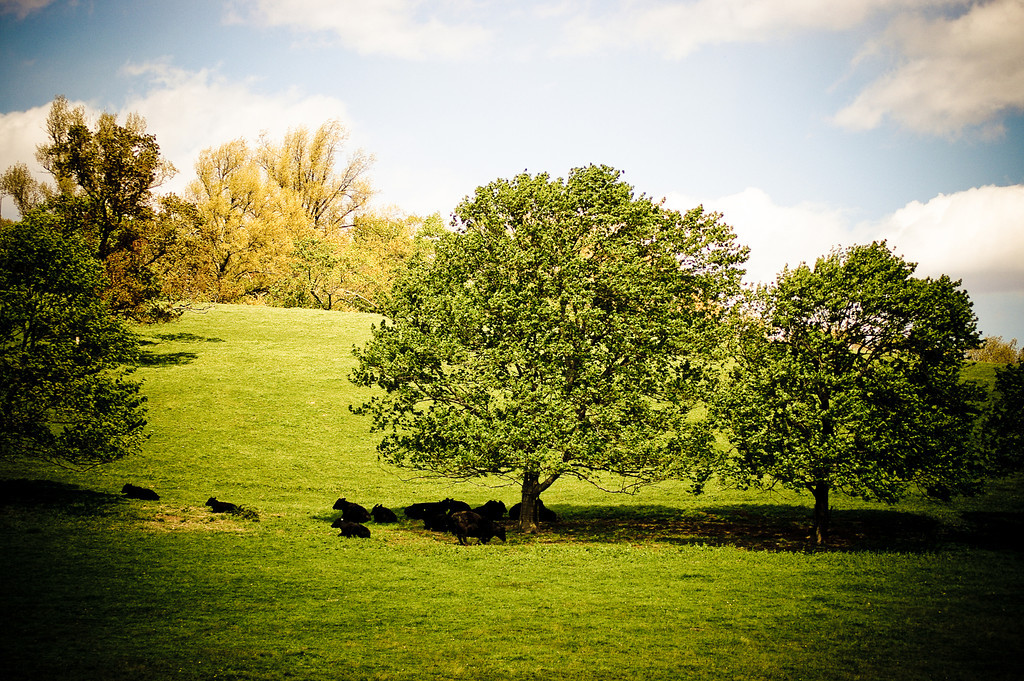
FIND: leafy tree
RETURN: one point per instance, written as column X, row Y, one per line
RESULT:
column 1002, row 430
column 115, row 167
column 846, row 377
column 564, row 328
column 64, row 359
column 246, row 229
column 105, row 176
column 309, row 166
column 18, row 183
column 995, row 349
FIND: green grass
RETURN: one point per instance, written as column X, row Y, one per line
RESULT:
column 250, row 405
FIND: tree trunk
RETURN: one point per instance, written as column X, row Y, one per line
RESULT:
column 529, row 510
column 822, row 515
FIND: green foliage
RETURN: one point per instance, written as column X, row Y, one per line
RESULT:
column 1002, row 430
column 847, row 377
column 565, row 328
column 63, row 358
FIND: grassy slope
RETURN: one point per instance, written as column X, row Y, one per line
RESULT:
column 251, row 405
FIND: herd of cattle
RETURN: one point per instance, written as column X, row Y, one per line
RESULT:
column 448, row 515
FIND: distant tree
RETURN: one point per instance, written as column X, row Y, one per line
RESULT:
column 994, row 349
column 65, row 360
column 114, row 167
column 18, row 183
column 380, row 246
column 331, row 192
column 105, row 176
column 565, row 328
column 846, row 377
column 1002, row 428
column 246, row 229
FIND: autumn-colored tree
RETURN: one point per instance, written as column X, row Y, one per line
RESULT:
column 105, row 176
column 247, row 227
column 330, row 191
column 18, row 183
column 994, row 349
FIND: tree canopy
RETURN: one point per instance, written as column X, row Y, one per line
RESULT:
column 565, row 327
column 65, row 361
column 845, row 376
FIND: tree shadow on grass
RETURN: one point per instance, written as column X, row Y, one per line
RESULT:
column 165, row 359
column 56, row 496
column 187, row 338
column 775, row 528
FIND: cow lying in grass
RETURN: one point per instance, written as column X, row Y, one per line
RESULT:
column 383, row 515
column 222, row 506
column 234, row 509
column 465, row 524
column 133, row 492
column 350, row 529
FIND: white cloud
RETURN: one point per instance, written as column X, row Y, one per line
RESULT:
column 777, row 235
column 676, row 29
column 189, row 111
column 385, row 27
column 976, row 235
column 953, row 73
column 22, row 8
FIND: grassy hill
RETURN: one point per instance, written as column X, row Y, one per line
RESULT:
column 250, row 405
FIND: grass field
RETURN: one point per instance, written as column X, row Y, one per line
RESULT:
column 250, row 405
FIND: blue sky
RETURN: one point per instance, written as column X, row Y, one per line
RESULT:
column 808, row 124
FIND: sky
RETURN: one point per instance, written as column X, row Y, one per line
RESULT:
column 809, row 125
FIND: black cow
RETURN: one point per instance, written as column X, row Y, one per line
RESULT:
column 351, row 529
column 422, row 510
column 436, row 521
column 544, row 514
column 383, row 515
column 465, row 524
column 495, row 510
column 352, row 512
column 222, row 506
column 133, row 492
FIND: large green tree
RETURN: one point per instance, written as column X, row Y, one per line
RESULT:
column 846, row 377
column 564, row 328
column 65, row 361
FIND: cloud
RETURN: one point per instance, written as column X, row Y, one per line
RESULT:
column 382, row 27
column 975, row 235
column 677, row 29
column 777, row 235
column 22, row 8
column 187, row 111
column 952, row 74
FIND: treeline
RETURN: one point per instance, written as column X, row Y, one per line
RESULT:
column 282, row 222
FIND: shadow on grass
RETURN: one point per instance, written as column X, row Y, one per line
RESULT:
column 187, row 338
column 56, row 496
column 782, row 528
column 167, row 359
